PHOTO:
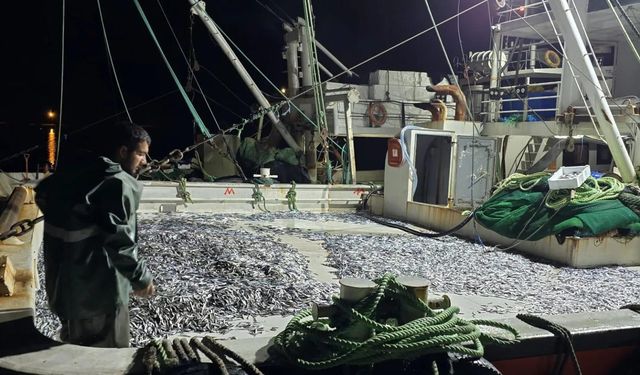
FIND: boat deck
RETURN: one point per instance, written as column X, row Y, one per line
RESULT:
column 245, row 275
column 240, row 278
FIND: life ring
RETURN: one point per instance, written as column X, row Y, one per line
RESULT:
column 551, row 58
column 377, row 114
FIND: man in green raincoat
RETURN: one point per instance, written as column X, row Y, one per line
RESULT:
column 90, row 240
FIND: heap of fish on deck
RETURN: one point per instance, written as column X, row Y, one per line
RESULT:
column 215, row 272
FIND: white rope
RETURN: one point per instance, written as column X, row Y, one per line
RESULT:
column 61, row 87
column 113, row 68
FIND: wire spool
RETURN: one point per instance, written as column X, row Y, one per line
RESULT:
column 549, row 58
column 377, row 114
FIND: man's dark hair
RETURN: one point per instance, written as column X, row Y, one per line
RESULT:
column 124, row 133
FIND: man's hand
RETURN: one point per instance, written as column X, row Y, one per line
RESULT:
column 146, row 292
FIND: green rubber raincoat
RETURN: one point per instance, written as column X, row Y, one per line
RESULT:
column 90, row 245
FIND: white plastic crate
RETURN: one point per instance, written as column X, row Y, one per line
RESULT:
column 569, row 177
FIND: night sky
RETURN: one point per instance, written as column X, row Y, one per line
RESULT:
column 353, row 30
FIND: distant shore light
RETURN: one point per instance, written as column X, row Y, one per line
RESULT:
column 51, row 147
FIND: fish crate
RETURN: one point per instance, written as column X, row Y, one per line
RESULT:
column 569, row 177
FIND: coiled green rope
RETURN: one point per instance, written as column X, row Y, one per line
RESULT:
column 520, row 181
column 590, row 191
column 329, row 342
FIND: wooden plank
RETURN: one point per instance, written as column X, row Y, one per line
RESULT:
column 7, row 276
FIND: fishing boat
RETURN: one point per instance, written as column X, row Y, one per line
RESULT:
column 551, row 102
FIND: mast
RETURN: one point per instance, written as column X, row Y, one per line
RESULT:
column 198, row 7
column 591, row 84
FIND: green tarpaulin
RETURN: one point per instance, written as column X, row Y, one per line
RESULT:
column 523, row 215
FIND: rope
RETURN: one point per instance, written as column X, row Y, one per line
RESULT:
column 216, row 347
column 385, row 51
column 61, row 85
column 184, row 56
column 286, row 99
column 291, row 197
column 588, row 40
column 179, row 356
column 150, row 360
column 321, row 117
column 561, row 333
column 334, row 344
column 195, row 114
column 520, row 181
column 626, row 16
column 624, row 31
column 191, row 354
column 347, row 178
column 224, row 85
column 182, row 190
column 113, row 68
column 571, row 64
column 211, row 355
column 200, row 165
column 590, row 191
column 166, row 356
column 258, row 198
column 453, row 73
column 573, row 74
column 87, row 126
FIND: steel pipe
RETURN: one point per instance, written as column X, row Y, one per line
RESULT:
column 458, row 98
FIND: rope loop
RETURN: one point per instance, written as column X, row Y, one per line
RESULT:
column 368, row 332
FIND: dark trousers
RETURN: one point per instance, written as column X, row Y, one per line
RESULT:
column 101, row 331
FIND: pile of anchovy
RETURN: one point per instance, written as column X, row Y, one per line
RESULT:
column 216, row 272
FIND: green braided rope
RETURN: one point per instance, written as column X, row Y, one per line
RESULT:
column 590, row 191
column 434, row 332
column 258, row 198
column 520, row 181
column 291, row 197
column 182, row 190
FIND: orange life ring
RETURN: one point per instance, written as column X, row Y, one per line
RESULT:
column 377, row 114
